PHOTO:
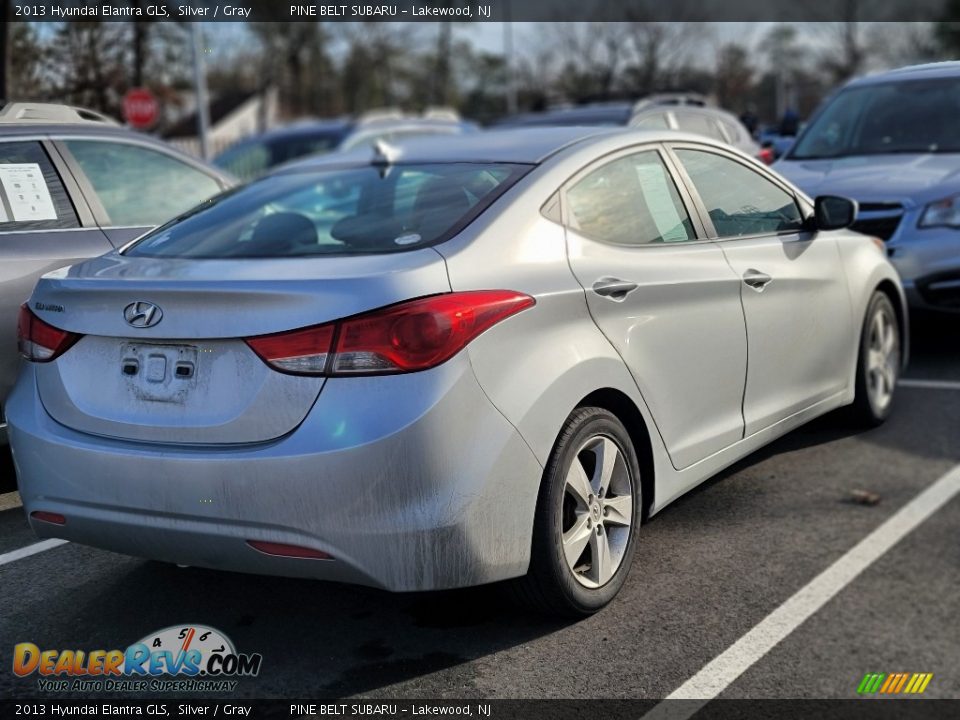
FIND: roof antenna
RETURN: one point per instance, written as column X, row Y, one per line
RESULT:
column 384, row 153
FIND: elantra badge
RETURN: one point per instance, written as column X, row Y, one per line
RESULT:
column 142, row 314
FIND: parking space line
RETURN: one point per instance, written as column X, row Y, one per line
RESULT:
column 29, row 550
column 724, row 669
column 930, row 384
column 10, row 501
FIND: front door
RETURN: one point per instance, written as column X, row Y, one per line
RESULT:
column 795, row 298
column 667, row 301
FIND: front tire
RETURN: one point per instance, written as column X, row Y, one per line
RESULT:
column 878, row 365
column 587, row 517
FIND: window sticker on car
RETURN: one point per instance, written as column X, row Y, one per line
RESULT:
column 656, row 190
column 26, row 192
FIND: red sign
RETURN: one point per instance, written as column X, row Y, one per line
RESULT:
column 140, row 108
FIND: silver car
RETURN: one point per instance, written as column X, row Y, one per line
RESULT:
column 74, row 185
column 709, row 121
column 449, row 363
column 891, row 141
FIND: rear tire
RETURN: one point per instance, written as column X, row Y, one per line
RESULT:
column 878, row 364
column 587, row 518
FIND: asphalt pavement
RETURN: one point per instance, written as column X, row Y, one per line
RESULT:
column 709, row 568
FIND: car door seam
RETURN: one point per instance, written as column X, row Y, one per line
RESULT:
column 746, row 335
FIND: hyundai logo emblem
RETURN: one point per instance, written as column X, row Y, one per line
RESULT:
column 142, row 314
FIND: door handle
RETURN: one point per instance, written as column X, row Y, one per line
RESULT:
column 756, row 279
column 614, row 288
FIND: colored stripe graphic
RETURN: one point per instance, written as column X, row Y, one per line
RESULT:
column 894, row 683
column 903, row 680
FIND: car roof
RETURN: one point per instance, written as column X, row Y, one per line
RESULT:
column 529, row 146
column 34, row 129
column 613, row 112
column 92, row 130
column 310, row 128
column 928, row 71
column 688, row 109
column 299, row 129
column 11, row 131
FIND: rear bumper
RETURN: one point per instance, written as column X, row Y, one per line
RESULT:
column 410, row 482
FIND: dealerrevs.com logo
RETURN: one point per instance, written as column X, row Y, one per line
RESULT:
column 200, row 658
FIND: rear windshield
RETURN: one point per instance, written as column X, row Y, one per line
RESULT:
column 349, row 211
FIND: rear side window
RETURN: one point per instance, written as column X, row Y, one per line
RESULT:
column 739, row 200
column 32, row 197
column 137, row 186
column 354, row 210
column 629, row 201
column 698, row 124
column 651, row 122
column 732, row 131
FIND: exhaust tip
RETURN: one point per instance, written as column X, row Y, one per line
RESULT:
column 289, row 551
column 49, row 517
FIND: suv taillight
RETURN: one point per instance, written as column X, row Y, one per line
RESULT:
column 413, row 335
column 40, row 342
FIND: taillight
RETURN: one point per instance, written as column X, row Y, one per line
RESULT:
column 40, row 342
column 55, row 518
column 766, row 156
column 301, row 351
column 413, row 335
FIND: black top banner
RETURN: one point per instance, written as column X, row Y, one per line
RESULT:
column 379, row 709
column 487, row 10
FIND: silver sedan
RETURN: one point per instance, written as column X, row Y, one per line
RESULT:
column 455, row 362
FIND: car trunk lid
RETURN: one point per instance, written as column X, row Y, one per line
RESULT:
column 185, row 374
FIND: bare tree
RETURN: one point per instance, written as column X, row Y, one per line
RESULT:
column 660, row 50
column 734, row 76
column 588, row 58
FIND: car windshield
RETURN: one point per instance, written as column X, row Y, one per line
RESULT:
column 915, row 116
column 345, row 211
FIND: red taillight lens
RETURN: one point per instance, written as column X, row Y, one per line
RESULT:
column 40, row 342
column 414, row 335
column 301, row 351
column 766, row 156
column 420, row 334
column 55, row 518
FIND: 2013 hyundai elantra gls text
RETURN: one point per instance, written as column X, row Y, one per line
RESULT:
column 447, row 363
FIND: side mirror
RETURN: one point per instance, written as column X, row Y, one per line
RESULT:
column 834, row 213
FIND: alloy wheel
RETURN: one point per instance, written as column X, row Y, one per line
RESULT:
column 597, row 511
column 883, row 358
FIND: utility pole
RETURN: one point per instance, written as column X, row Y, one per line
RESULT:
column 200, row 88
column 508, row 57
column 4, row 48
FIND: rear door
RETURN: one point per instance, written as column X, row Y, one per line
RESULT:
column 664, row 297
column 44, row 225
column 132, row 187
column 794, row 290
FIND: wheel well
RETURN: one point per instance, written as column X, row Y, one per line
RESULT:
column 626, row 411
column 888, row 289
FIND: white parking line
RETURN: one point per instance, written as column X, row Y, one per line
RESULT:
column 9, row 501
column 720, row 672
column 29, row 550
column 930, row 384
